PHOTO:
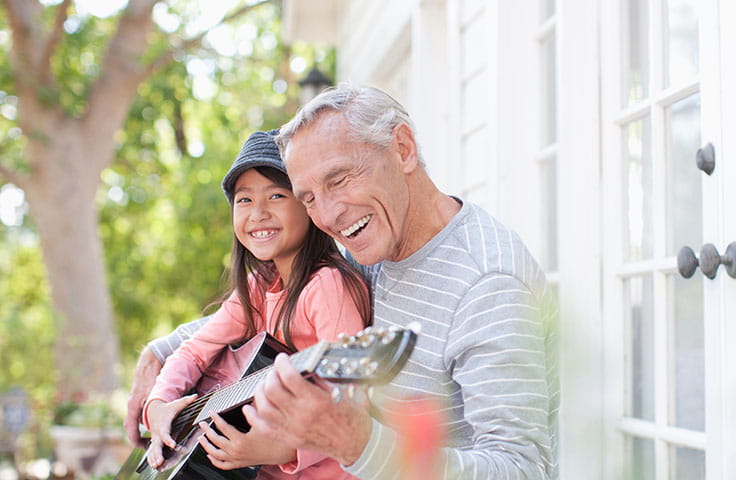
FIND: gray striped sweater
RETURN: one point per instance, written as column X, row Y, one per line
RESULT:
column 486, row 354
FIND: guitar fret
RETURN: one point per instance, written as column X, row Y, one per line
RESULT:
column 241, row 391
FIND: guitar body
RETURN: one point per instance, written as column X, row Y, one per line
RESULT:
column 372, row 356
column 190, row 461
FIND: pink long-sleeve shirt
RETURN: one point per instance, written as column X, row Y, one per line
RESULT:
column 324, row 310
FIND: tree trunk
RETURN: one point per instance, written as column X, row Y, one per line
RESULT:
column 62, row 204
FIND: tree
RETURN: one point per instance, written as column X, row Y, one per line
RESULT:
column 69, row 124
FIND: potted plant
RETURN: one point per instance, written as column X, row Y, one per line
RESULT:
column 88, row 436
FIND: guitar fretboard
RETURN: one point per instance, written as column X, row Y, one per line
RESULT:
column 243, row 390
column 235, row 394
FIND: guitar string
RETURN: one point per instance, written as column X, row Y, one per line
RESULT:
column 230, row 392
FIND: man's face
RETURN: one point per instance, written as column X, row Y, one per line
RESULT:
column 357, row 193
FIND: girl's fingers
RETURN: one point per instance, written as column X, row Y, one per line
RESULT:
column 154, row 454
column 168, row 441
column 215, row 438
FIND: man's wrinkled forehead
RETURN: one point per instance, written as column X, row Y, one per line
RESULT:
column 329, row 124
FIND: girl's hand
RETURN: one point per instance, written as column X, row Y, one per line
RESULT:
column 232, row 448
column 160, row 415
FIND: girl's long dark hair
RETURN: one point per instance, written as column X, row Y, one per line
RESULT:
column 318, row 250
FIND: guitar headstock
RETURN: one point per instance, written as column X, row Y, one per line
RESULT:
column 372, row 356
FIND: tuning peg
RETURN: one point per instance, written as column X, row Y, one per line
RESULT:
column 328, row 367
column 388, row 337
column 336, row 394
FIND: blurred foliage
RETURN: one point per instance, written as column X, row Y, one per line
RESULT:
column 88, row 414
column 164, row 220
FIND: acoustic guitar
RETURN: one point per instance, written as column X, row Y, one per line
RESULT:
column 371, row 357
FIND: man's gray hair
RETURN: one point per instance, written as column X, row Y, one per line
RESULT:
column 371, row 115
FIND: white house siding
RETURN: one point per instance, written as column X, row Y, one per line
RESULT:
column 474, row 85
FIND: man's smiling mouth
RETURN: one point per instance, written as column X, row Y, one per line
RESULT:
column 356, row 227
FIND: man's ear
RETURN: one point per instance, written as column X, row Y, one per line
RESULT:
column 407, row 147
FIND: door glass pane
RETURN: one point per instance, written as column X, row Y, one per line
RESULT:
column 682, row 41
column 687, row 464
column 549, row 92
column 549, row 210
column 640, row 342
column 639, row 238
column 636, row 51
column 640, row 456
column 684, row 192
column 548, row 8
column 686, row 355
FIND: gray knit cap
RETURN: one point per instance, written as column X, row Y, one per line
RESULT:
column 259, row 150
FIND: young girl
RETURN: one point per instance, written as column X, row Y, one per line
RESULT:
column 287, row 278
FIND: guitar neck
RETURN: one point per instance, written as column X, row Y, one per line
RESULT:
column 242, row 391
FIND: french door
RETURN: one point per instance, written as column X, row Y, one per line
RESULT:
column 669, row 170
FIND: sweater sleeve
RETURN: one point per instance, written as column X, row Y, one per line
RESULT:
column 164, row 346
column 185, row 366
column 496, row 352
column 329, row 310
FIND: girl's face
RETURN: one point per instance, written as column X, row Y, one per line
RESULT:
column 268, row 220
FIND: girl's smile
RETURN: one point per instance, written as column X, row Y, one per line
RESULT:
column 263, row 234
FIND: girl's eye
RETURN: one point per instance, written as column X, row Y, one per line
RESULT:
column 242, row 200
column 278, row 195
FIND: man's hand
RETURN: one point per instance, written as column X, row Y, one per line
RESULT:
column 146, row 372
column 231, row 448
column 295, row 412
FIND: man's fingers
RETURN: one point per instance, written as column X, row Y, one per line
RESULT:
column 131, row 430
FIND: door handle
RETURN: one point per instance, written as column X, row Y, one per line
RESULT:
column 709, row 261
column 705, row 158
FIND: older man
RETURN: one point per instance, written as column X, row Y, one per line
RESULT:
column 486, row 355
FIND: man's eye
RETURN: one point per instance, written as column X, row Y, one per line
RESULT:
column 339, row 181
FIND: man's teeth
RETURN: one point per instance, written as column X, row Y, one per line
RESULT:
column 356, row 226
column 262, row 233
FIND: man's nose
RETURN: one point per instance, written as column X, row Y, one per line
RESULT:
column 327, row 210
